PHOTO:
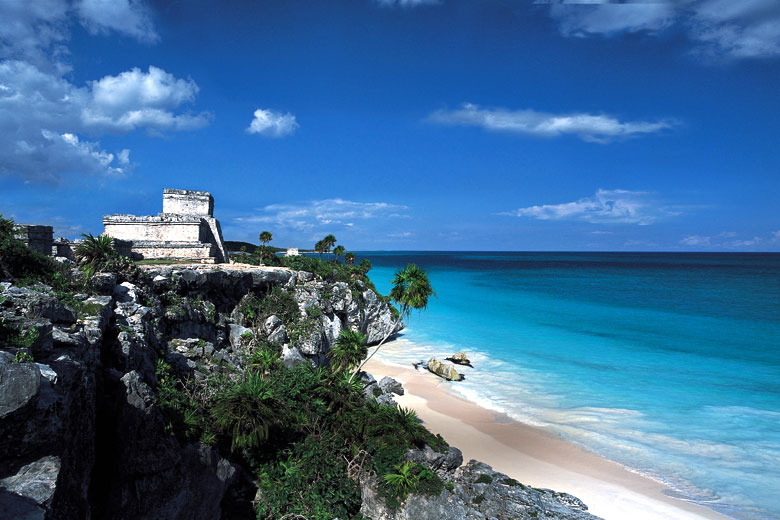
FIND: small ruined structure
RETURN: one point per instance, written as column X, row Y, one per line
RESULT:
column 37, row 238
column 185, row 230
column 292, row 251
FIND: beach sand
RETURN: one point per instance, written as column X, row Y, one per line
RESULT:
column 534, row 456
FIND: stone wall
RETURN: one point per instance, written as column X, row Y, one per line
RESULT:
column 37, row 238
column 165, row 228
column 188, row 202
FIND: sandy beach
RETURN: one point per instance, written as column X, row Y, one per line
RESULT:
column 534, row 456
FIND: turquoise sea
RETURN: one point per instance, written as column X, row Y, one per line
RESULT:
column 666, row 363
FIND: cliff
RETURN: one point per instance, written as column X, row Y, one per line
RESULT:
column 86, row 429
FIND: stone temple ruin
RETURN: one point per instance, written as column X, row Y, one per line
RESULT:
column 185, row 230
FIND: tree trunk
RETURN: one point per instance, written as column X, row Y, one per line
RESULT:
column 392, row 331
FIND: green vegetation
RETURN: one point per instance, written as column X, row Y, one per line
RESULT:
column 484, row 479
column 97, row 254
column 23, row 266
column 306, row 433
column 23, row 357
column 349, row 259
column 511, row 482
column 349, row 350
column 411, row 291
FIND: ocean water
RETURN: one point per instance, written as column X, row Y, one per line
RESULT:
column 666, row 363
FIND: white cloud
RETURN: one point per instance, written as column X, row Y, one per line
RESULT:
column 35, row 31
column 588, row 127
column 717, row 28
column 328, row 212
column 588, row 18
column 136, row 99
column 43, row 116
column 743, row 29
column 776, row 235
column 607, row 206
column 272, row 124
column 726, row 240
column 129, row 17
column 696, row 240
column 39, row 109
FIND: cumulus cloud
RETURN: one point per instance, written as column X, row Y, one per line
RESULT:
column 35, row 32
column 272, row 124
column 136, row 99
column 311, row 215
column 42, row 115
column 717, row 28
column 129, row 17
column 607, row 206
column 588, row 127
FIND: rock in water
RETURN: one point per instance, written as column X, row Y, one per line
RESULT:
column 445, row 370
column 460, row 359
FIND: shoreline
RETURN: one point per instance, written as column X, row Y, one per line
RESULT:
column 534, row 456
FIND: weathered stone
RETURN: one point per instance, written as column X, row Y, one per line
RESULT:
column 391, row 386
column 445, row 370
column 278, row 336
column 104, row 283
column 186, row 229
column 36, row 481
column 19, row 384
column 460, row 359
column 495, row 496
column 291, row 356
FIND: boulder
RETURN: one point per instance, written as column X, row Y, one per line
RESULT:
column 460, row 359
column 445, row 370
column 391, row 386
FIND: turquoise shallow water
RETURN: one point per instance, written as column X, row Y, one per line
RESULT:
column 666, row 363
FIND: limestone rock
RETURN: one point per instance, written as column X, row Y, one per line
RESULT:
column 445, row 370
column 494, row 496
column 391, row 386
column 291, row 356
column 19, row 384
column 460, row 359
column 36, row 481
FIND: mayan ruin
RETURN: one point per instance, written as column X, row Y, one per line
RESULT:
column 186, row 229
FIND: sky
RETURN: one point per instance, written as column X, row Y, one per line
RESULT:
column 401, row 124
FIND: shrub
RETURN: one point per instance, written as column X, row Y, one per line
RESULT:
column 349, row 349
column 245, row 411
column 23, row 265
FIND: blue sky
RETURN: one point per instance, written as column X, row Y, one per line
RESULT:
column 449, row 125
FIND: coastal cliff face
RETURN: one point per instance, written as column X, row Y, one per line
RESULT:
column 82, row 433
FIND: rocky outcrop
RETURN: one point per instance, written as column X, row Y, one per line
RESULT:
column 81, row 434
column 474, row 492
column 445, row 370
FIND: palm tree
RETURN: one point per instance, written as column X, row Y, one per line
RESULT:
column 328, row 242
column 411, row 290
column 348, row 351
column 320, row 248
column 365, row 266
column 338, row 251
column 349, row 258
column 94, row 251
column 265, row 237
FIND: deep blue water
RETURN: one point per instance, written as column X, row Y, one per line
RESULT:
column 667, row 363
